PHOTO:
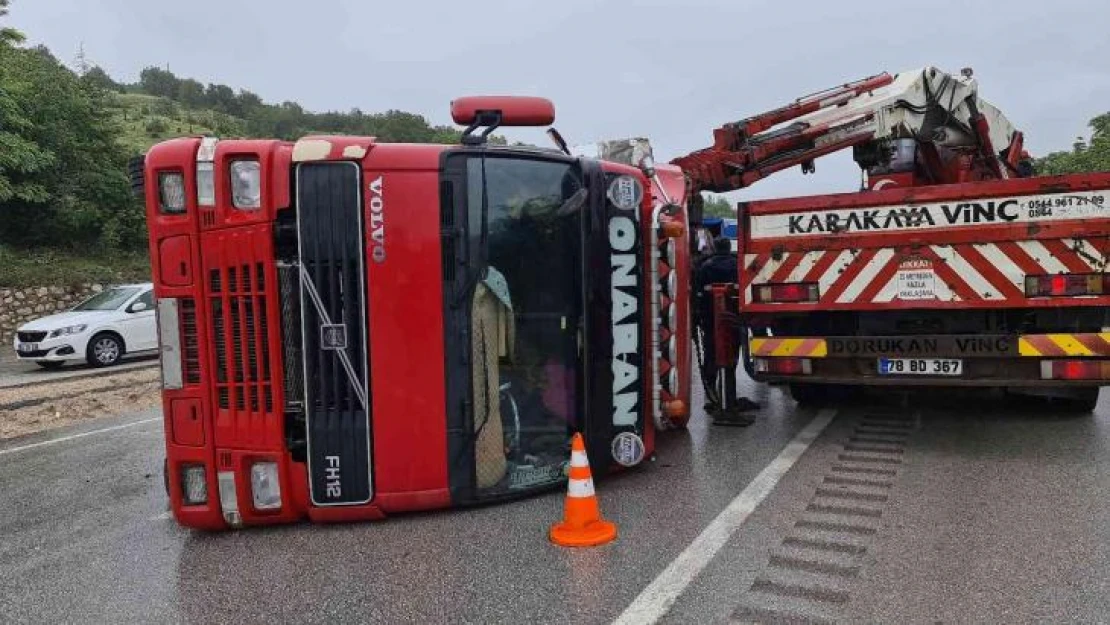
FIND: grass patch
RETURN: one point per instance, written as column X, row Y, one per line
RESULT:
column 144, row 120
column 23, row 268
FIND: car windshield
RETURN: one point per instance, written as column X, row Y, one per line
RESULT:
column 108, row 300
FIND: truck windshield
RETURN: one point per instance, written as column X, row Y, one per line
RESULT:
column 525, row 314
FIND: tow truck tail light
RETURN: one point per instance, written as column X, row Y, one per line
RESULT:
column 1064, row 285
column 786, row 293
column 784, row 366
column 1075, row 369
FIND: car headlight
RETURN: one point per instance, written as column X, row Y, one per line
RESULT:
column 265, row 486
column 246, row 185
column 194, row 487
column 77, row 329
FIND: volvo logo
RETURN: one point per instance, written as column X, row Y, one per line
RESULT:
column 377, row 221
column 333, row 336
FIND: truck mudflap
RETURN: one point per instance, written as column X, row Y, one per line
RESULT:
column 957, row 360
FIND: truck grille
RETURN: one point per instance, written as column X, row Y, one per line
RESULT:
column 332, row 304
column 240, row 330
column 289, row 291
column 190, row 344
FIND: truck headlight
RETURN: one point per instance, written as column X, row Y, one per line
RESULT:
column 77, row 329
column 171, row 193
column 246, row 185
column 265, row 486
column 194, row 485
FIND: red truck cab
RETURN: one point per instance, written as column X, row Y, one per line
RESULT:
column 352, row 328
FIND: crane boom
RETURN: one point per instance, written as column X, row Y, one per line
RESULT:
column 956, row 136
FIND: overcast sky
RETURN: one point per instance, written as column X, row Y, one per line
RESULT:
column 671, row 71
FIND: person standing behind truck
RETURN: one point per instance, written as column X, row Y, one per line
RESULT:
column 718, row 268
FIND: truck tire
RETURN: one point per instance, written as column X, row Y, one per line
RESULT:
column 1083, row 402
column 810, row 395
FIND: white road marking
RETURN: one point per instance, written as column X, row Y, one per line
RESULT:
column 63, row 439
column 165, row 516
column 656, row 600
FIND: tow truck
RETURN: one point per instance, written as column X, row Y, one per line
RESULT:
column 351, row 328
column 953, row 265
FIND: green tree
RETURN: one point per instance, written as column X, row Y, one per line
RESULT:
column 156, row 81
column 22, row 160
column 190, row 93
column 8, row 36
column 1085, row 156
column 64, row 168
column 717, row 206
column 97, row 77
column 221, row 98
column 247, row 102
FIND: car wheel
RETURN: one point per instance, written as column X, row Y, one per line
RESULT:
column 50, row 364
column 104, row 350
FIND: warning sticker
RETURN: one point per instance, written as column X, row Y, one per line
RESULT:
column 916, row 280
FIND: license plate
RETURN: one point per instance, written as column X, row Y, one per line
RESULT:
column 28, row 347
column 920, row 366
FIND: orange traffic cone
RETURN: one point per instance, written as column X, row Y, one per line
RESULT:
column 582, row 525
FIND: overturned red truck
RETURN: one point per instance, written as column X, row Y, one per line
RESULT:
column 352, row 328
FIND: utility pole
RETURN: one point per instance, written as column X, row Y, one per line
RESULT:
column 81, row 61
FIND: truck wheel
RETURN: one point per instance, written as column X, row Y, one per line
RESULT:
column 809, row 394
column 1081, row 402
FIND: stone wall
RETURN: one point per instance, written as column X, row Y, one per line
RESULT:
column 18, row 305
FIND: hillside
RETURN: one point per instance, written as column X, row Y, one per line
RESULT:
column 66, row 135
column 144, row 120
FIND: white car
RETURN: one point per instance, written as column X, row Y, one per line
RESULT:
column 99, row 330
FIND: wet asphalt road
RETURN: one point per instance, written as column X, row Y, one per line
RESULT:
column 14, row 372
column 988, row 514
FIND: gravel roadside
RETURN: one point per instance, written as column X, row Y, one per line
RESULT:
column 30, row 409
